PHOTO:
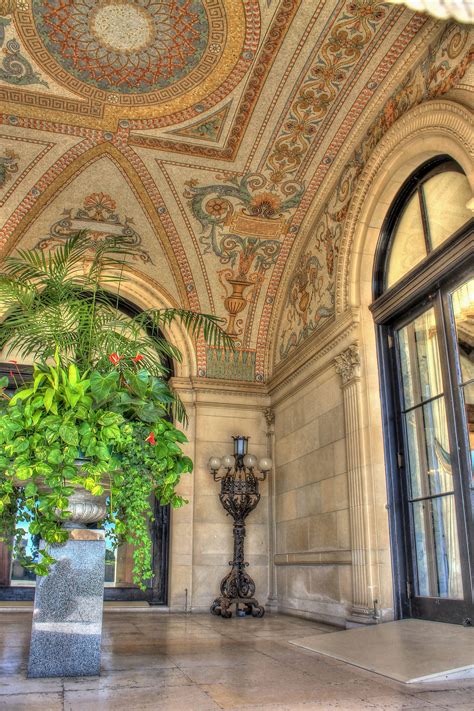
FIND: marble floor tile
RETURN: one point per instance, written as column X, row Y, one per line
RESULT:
column 171, row 662
column 144, row 699
column 33, row 702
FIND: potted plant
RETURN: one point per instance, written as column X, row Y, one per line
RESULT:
column 90, row 436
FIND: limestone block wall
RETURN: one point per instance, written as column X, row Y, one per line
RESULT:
column 332, row 550
column 201, row 532
column 312, row 510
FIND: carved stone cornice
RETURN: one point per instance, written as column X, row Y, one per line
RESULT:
column 221, row 393
column 313, row 356
column 347, row 364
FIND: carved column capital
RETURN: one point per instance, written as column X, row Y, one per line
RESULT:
column 269, row 415
column 347, row 364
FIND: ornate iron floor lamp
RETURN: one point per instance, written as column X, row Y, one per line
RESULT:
column 239, row 496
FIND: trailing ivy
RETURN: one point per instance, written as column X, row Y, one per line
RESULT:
column 116, row 422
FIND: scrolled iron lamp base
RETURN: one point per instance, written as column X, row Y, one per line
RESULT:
column 239, row 496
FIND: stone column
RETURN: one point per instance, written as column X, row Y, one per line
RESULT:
column 272, row 603
column 347, row 365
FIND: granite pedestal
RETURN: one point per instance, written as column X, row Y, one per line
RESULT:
column 67, row 617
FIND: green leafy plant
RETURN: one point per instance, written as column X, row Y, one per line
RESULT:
column 98, row 392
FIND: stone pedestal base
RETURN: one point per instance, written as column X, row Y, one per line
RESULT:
column 361, row 617
column 67, row 617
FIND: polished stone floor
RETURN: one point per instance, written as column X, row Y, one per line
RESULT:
column 177, row 662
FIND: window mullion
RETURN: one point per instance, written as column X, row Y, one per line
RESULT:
column 424, row 219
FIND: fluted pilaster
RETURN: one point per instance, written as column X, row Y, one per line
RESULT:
column 347, row 365
column 272, row 576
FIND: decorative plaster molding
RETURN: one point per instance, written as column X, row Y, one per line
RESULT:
column 347, row 364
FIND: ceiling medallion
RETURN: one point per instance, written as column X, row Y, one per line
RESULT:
column 116, row 46
column 169, row 54
column 124, row 48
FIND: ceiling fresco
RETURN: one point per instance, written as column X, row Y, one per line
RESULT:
column 224, row 137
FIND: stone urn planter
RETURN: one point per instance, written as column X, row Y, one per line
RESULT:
column 67, row 617
column 85, row 508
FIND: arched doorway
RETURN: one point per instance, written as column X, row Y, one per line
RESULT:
column 424, row 310
column 18, row 584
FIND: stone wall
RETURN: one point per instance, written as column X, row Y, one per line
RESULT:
column 201, row 532
column 312, row 509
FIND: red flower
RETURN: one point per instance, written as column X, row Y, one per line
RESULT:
column 151, row 438
column 137, row 358
column 115, row 358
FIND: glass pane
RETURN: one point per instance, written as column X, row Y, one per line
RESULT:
column 30, row 546
column 446, row 196
column 436, row 548
column 462, row 305
column 468, row 391
column 419, row 359
column 429, row 457
column 408, row 246
column 119, row 566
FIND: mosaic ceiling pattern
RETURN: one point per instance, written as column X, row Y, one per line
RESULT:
column 209, row 131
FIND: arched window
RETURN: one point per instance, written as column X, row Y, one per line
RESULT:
column 424, row 309
column 433, row 212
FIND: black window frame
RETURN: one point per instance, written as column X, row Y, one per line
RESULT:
column 428, row 283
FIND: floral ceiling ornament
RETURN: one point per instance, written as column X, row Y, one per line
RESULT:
column 153, row 62
column 14, row 67
column 460, row 10
column 242, row 220
column 97, row 215
column 7, row 7
column 340, row 53
column 306, row 289
column 8, row 166
column 443, row 65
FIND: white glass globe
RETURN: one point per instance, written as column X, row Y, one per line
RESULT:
column 250, row 460
column 265, row 464
column 461, row 10
column 228, row 461
column 215, row 463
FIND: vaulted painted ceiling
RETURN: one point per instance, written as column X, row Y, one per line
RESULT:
column 225, row 137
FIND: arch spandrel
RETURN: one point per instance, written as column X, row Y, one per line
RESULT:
column 441, row 127
column 165, row 242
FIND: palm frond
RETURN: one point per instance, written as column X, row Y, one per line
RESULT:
column 178, row 409
column 195, row 323
column 59, row 301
